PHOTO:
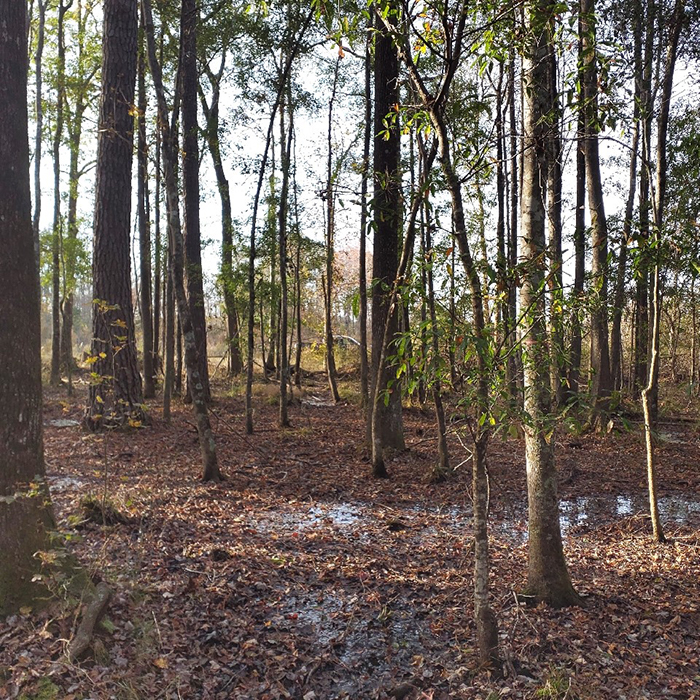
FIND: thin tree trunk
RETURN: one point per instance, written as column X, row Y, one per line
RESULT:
column 211, row 114
column 149, row 387
column 364, row 360
column 600, row 349
column 39, row 118
column 57, row 229
column 252, row 254
column 210, row 466
column 285, row 134
column 330, row 246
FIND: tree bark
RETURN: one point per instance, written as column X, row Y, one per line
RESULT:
column 210, row 464
column 600, row 349
column 116, row 396
column 190, row 177
column 149, row 386
column 330, row 247
column 57, row 229
column 548, row 576
column 387, row 228
column 24, row 521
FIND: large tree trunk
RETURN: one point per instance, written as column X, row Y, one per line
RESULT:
column 548, row 576
column 24, row 521
column 115, row 396
column 387, row 228
column 149, row 386
column 190, row 177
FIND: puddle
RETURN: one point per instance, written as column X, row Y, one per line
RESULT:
column 64, row 423
column 341, row 515
column 63, row 483
column 317, row 402
column 575, row 512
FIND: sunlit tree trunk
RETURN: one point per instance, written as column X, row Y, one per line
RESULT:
column 548, row 576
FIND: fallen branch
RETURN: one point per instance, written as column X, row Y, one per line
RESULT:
column 93, row 611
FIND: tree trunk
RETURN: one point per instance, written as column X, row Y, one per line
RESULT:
column 600, row 350
column 190, row 178
column 619, row 297
column 24, row 521
column 210, row 465
column 211, row 114
column 330, row 247
column 364, row 364
column 75, row 132
column 149, row 387
column 286, row 146
column 116, row 396
column 387, row 228
column 39, row 118
column 57, row 229
column 548, row 576
column 554, row 203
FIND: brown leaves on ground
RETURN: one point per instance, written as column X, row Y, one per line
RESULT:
column 302, row 577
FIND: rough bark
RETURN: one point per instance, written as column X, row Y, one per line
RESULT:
column 24, row 521
column 387, row 228
column 190, row 180
column 115, row 394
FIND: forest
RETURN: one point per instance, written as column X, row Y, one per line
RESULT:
column 349, row 350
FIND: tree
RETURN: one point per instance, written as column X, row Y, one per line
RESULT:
column 115, row 392
column 548, row 576
column 25, row 510
column 387, row 229
column 190, row 175
column 207, row 444
column 600, row 350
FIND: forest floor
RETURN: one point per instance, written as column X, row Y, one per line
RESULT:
column 301, row 576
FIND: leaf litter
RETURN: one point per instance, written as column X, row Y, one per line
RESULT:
column 302, row 577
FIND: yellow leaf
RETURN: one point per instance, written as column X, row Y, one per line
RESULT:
column 26, row 610
column 161, row 662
